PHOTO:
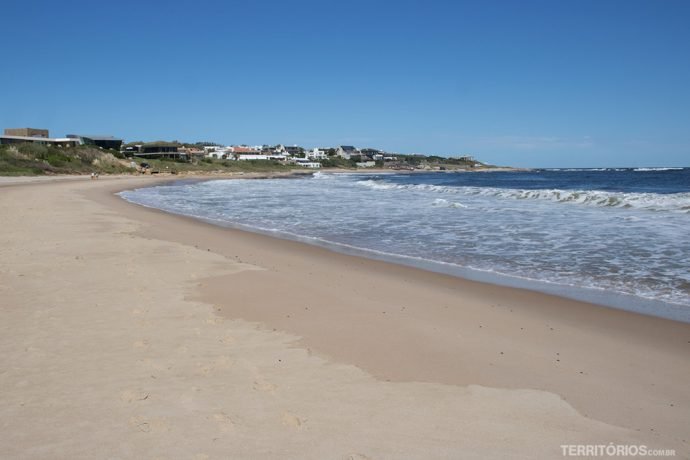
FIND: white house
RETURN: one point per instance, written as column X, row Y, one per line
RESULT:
column 306, row 163
column 316, row 154
column 346, row 151
column 273, row 150
column 294, row 150
column 258, row 156
column 215, row 152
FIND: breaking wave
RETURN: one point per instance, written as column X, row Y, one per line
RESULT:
column 677, row 202
column 564, row 231
column 643, row 169
column 440, row 202
column 656, row 169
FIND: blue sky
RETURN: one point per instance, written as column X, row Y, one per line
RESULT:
column 525, row 83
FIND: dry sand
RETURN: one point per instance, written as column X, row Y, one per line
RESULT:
column 129, row 333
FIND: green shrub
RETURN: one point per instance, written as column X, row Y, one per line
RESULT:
column 57, row 158
column 33, row 150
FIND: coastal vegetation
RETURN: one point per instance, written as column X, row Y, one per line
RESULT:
column 36, row 159
column 39, row 159
column 31, row 159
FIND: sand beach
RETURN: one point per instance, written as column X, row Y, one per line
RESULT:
column 127, row 332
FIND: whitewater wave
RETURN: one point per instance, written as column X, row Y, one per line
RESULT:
column 584, row 169
column 321, row 176
column 656, row 169
column 675, row 202
column 612, row 169
column 440, row 202
column 564, row 240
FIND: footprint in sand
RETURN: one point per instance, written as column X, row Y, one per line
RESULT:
column 261, row 385
column 142, row 344
column 227, row 340
column 147, row 425
column 222, row 362
column 129, row 396
column 154, row 365
column 214, row 320
column 292, row 420
column 224, row 422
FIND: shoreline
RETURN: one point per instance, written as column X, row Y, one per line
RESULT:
column 550, row 310
column 258, row 342
column 599, row 297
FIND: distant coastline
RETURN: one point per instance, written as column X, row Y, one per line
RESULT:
column 31, row 151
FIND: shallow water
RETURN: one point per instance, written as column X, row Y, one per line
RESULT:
column 616, row 236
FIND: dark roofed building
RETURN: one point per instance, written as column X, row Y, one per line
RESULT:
column 347, row 151
column 106, row 142
column 160, row 150
column 131, row 150
column 294, row 150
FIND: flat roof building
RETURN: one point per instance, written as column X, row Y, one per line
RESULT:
column 26, row 132
column 160, row 150
column 42, row 136
column 106, row 142
column 58, row 142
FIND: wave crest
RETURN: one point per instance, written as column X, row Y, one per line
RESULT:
column 677, row 202
column 656, row 169
column 440, row 202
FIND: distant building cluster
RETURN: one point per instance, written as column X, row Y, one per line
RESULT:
column 289, row 154
column 310, row 158
column 295, row 154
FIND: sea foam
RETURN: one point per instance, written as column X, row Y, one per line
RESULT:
column 679, row 202
column 626, row 242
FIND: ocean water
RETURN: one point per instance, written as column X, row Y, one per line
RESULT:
column 618, row 237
